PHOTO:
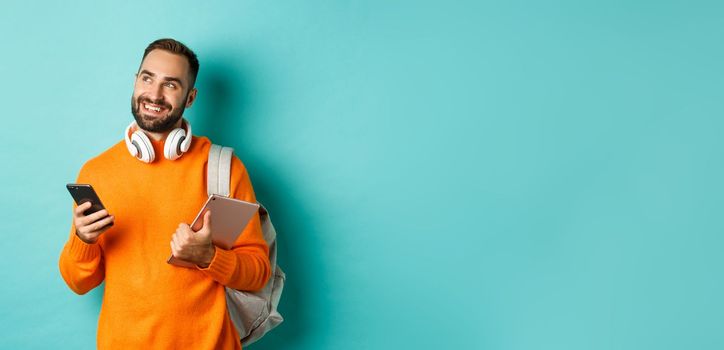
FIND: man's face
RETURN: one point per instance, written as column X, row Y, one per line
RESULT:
column 162, row 91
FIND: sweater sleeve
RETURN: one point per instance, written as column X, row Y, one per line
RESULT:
column 81, row 264
column 246, row 266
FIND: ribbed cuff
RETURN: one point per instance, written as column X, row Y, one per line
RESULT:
column 222, row 266
column 82, row 251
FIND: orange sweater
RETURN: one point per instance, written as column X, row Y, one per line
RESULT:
column 147, row 303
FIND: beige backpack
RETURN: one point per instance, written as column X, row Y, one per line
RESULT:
column 253, row 313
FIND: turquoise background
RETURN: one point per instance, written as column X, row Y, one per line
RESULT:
column 469, row 174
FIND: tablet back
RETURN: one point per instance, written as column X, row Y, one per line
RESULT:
column 229, row 217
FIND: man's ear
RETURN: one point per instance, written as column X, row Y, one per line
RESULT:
column 191, row 98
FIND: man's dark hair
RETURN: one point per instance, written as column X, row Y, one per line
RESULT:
column 178, row 48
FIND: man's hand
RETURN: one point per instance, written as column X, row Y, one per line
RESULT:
column 89, row 227
column 194, row 247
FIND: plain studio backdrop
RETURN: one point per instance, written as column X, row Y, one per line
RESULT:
column 456, row 175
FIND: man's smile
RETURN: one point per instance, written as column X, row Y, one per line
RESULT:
column 154, row 109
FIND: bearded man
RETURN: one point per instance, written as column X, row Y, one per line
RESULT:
column 152, row 183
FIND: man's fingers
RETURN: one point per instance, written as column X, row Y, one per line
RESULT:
column 97, row 215
column 98, row 225
column 90, row 233
column 81, row 208
column 94, row 226
column 87, row 220
column 176, row 250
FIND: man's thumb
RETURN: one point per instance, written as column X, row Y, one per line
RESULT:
column 207, row 222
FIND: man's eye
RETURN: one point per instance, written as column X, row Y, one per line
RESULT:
column 146, row 79
column 171, row 85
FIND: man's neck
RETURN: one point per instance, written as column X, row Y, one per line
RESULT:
column 158, row 136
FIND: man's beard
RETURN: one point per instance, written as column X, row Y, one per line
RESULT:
column 161, row 124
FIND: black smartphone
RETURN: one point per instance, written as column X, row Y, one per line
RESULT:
column 85, row 193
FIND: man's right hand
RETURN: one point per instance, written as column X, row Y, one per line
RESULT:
column 89, row 227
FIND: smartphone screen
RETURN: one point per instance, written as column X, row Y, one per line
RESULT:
column 85, row 193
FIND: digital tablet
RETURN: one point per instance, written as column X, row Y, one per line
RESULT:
column 229, row 217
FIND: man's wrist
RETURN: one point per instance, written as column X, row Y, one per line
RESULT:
column 208, row 258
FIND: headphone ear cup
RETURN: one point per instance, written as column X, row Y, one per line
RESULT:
column 186, row 142
column 172, row 146
column 144, row 147
column 136, row 149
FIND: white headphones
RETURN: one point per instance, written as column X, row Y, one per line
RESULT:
column 177, row 143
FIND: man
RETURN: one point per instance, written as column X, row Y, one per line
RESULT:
column 148, row 303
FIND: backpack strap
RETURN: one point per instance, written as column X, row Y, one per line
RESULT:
column 252, row 313
column 218, row 170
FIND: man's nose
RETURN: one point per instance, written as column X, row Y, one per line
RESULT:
column 155, row 92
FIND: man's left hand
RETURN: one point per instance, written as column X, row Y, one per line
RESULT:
column 194, row 247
